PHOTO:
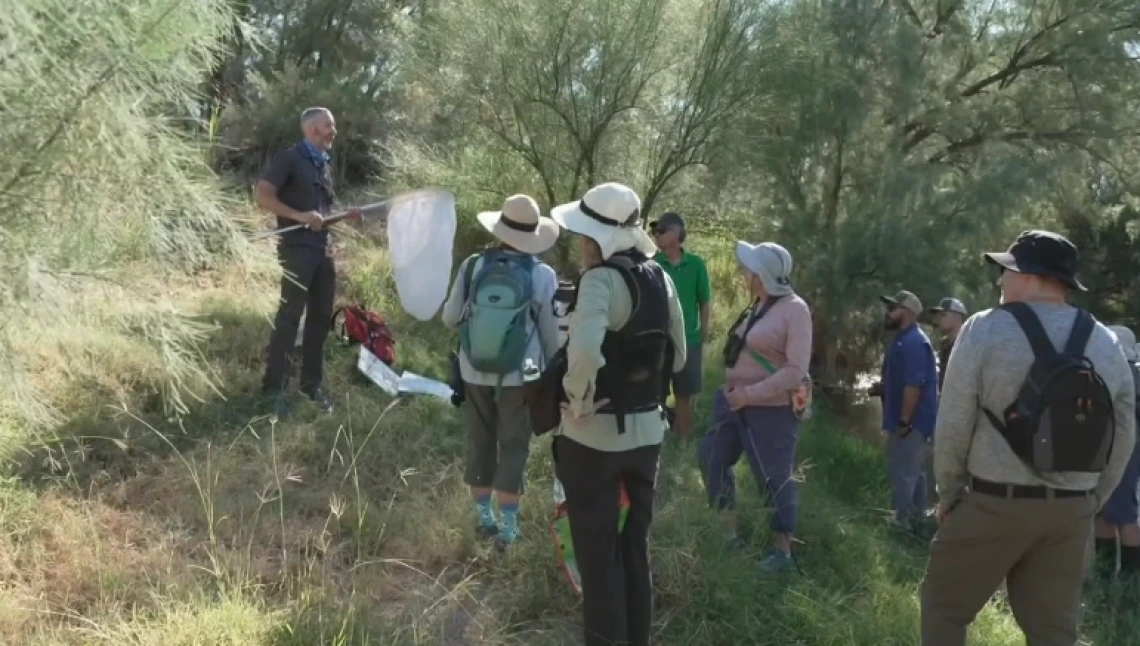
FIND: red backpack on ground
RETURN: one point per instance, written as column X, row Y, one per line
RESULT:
column 366, row 327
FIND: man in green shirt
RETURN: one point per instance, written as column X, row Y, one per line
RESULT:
column 691, row 278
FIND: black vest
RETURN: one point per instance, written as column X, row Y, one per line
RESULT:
column 635, row 355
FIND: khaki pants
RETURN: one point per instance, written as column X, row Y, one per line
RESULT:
column 1037, row 545
column 498, row 438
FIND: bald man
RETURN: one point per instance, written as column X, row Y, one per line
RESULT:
column 297, row 187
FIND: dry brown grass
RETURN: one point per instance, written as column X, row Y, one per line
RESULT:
column 126, row 527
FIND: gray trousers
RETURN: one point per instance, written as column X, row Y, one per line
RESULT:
column 906, row 469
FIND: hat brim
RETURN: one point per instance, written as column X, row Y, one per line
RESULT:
column 944, row 310
column 1006, row 260
column 746, row 255
column 536, row 242
column 611, row 239
column 892, row 302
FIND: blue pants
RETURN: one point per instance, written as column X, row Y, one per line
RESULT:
column 1121, row 506
column 767, row 436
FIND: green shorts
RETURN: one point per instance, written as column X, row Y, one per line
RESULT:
column 690, row 380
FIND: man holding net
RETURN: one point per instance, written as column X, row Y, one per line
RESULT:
column 297, row 187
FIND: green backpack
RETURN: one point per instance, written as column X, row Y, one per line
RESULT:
column 493, row 332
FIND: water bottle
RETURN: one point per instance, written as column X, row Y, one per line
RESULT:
column 531, row 371
column 559, row 493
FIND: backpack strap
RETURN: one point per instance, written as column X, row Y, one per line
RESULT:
column 1034, row 331
column 623, row 265
column 332, row 321
column 341, row 312
column 469, row 274
column 1082, row 331
column 768, row 304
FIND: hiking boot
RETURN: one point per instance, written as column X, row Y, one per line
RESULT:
column 923, row 529
column 503, row 541
column 485, row 532
column 321, row 400
column 734, row 543
column 776, row 561
column 276, row 405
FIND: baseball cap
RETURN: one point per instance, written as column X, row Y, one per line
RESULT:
column 904, row 299
column 1041, row 253
column 668, row 219
column 949, row 304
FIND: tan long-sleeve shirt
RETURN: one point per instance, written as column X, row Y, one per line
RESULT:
column 604, row 303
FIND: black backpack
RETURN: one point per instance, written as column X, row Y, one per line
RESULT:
column 1062, row 419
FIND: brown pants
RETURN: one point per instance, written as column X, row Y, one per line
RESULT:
column 1037, row 545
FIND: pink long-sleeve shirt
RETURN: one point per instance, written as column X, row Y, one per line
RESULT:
column 783, row 337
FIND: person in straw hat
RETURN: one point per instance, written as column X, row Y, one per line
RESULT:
column 1117, row 519
column 625, row 317
column 502, row 302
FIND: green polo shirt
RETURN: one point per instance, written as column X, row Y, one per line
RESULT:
column 692, row 280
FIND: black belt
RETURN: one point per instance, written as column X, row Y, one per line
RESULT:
column 1022, row 491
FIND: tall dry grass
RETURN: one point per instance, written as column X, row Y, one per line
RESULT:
column 222, row 527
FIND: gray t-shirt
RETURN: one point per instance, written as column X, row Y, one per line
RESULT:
column 302, row 186
column 986, row 369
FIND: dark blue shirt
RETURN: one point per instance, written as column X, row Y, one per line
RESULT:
column 909, row 361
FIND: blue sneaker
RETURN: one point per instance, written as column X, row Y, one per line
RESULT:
column 508, row 525
column 777, row 561
column 485, row 525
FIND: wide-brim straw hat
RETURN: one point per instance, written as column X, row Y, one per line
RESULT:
column 520, row 225
column 609, row 214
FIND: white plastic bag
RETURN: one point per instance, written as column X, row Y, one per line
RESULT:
column 421, row 234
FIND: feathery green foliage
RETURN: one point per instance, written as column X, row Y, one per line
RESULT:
column 102, row 191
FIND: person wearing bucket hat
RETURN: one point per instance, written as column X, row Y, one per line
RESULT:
column 1020, row 468
column 625, row 317
column 910, row 408
column 1043, row 255
column 502, row 302
column 1117, row 521
column 766, row 357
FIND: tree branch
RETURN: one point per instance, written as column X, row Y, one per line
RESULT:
column 1007, row 73
column 91, row 90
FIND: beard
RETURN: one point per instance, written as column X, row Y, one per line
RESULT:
column 891, row 323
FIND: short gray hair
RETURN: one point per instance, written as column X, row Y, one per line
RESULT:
column 308, row 114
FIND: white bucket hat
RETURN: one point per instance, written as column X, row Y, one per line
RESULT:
column 1127, row 341
column 610, row 215
column 520, row 225
column 770, row 262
